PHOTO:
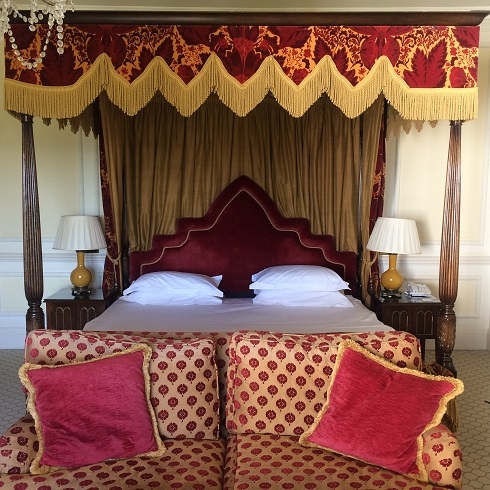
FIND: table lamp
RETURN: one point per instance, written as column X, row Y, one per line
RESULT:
column 393, row 236
column 82, row 234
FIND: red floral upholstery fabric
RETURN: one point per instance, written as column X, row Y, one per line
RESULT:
column 18, row 447
column 187, row 464
column 184, row 381
column 442, row 457
column 270, row 461
column 252, row 460
column 277, row 383
column 221, row 343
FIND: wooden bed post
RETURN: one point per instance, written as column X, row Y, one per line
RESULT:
column 449, row 260
column 33, row 259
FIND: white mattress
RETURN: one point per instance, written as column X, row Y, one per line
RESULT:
column 236, row 314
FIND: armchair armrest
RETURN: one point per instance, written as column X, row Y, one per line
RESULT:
column 18, row 447
column 442, row 457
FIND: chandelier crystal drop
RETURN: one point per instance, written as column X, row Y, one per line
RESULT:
column 52, row 10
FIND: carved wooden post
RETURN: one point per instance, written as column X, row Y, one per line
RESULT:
column 449, row 260
column 33, row 259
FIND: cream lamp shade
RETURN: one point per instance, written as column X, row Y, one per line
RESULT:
column 82, row 234
column 394, row 236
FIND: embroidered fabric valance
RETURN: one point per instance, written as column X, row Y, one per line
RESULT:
column 425, row 72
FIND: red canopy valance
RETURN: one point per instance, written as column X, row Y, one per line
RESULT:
column 425, row 72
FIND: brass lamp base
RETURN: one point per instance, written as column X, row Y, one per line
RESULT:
column 392, row 294
column 81, row 291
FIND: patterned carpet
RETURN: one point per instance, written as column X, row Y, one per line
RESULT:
column 473, row 407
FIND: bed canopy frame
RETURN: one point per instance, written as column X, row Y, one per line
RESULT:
column 353, row 79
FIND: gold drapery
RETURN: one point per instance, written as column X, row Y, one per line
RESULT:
column 310, row 166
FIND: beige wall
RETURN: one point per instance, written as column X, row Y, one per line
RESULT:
column 68, row 184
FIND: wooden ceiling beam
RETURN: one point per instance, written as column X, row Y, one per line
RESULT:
column 468, row 18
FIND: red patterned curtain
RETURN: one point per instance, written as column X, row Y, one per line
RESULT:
column 375, row 211
column 112, row 267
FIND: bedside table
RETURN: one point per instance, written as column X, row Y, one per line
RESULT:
column 67, row 312
column 415, row 315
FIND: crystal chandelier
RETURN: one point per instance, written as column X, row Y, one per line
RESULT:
column 53, row 10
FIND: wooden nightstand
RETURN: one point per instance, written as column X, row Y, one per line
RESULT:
column 66, row 312
column 415, row 315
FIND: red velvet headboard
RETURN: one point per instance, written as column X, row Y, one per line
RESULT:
column 242, row 233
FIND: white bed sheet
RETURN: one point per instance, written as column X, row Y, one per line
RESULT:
column 236, row 314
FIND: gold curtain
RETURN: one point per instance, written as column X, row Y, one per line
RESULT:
column 163, row 166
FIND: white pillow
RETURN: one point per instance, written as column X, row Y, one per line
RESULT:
column 168, row 298
column 299, row 277
column 177, row 282
column 284, row 297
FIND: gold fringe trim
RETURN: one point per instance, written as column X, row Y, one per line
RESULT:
column 451, row 417
column 396, row 124
column 412, row 104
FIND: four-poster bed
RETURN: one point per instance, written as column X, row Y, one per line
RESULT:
column 353, row 80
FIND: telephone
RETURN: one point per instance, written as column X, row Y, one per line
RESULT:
column 419, row 290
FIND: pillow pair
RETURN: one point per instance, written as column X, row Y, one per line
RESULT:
column 174, row 288
column 377, row 412
column 299, row 285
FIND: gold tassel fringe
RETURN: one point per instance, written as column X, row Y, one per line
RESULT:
column 451, row 417
column 425, row 104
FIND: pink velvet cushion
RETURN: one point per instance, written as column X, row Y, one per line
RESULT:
column 91, row 411
column 377, row 412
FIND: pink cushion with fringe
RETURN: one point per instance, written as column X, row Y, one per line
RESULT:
column 377, row 412
column 92, row 411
